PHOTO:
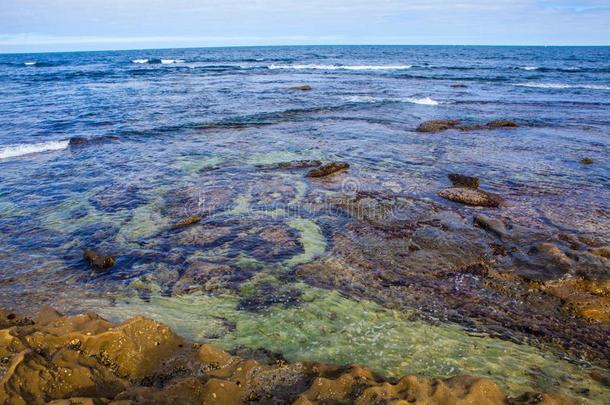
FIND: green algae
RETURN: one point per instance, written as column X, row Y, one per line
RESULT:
column 195, row 164
column 274, row 157
column 145, row 222
column 329, row 327
column 312, row 239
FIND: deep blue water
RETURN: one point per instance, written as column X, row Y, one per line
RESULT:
column 171, row 130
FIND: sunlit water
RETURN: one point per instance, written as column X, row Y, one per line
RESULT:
column 169, row 139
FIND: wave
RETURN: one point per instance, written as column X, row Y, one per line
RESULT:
column 29, row 148
column 340, row 67
column 140, row 61
column 171, row 61
column 530, row 68
column 411, row 100
column 561, row 86
column 32, row 63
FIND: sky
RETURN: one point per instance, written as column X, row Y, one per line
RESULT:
column 70, row 25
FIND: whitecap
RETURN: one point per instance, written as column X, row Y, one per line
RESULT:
column 30, row 63
column 558, row 86
column 21, row 149
column 171, row 61
column 411, row 100
column 531, row 68
column 421, row 101
column 140, row 61
column 340, row 67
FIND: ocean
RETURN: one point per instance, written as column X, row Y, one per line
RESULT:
column 106, row 150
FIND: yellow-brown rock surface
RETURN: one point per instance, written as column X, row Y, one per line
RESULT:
column 86, row 360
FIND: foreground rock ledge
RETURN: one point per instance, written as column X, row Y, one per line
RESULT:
column 85, row 359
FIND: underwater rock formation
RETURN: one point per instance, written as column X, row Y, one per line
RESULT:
column 99, row 261
column 328, row 169
column 190, row 220
column 85, row 359
column 459, row 180
column 305, row 87
column 469, row 196
column 444, row 125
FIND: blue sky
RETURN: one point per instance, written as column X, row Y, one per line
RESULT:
column 59, row 25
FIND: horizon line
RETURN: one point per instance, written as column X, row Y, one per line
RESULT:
column 302, row 45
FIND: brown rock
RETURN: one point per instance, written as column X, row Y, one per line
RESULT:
column 492, row 225
column 191, row 220
column 460, row 180
column 472, row 197
column 328, row 169
column 501, row 124
column 437, row 126
column 586, row 161
column 301, row 88
column 99, row 261
column 601, row 252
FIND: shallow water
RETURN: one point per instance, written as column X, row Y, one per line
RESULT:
column 201, row 135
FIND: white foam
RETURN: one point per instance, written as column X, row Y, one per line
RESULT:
column 338, row 67
column 29, row 148
column 421, row 101
column 30, row 63
column 411, row 100
column 171, row 61
column 564, row 86
column 531, row 68
column 140, row 61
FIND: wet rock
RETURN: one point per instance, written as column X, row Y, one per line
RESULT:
column 460, row 180
column 99, row 261
column 472, row 197
column 492, row 225
column 458, row 86
column 496, row 124
column 301, row 88
column 586, row 161
column 209, row 277
column 190, row 220
column 328, row 169
column 82, row 141
column 84, row 359
column 297, row 164
column 601, row 252
column 437, row 126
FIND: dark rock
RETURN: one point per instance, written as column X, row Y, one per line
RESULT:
column 601, row 252
column 297, row 164
column 472, row 197
column 437, row 126
column 301, row 88
column 458, row 86
column 191, row 220
column 99, row 261
column 82, row 141
column 328, row 169
column 492, row 225
column 501, row 124
column 459, row 180
column 587, row 161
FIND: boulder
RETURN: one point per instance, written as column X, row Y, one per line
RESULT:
column 468, row 196
column 190, row 220
column 586, row 161
column 99, row 261
column 460, row 180
column 301, row 88
column 328, row 169
column 495, row 124
column 437, row 126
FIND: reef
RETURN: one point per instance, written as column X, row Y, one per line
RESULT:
column 84, row 359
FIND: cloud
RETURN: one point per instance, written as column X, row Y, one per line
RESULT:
column 41, row 24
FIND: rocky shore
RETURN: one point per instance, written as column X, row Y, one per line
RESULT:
column 84, row 359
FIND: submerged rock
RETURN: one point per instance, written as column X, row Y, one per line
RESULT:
column 468, row 196
column 191, row 220
column 99, row 261
column 458, row 86
column 501, row 124
column 587, row 161
column 459, row 180
column 492, row 225
column 437, row 126
column 328, row 169
column 305, row 87
column 297, row 164
column 85, row 359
